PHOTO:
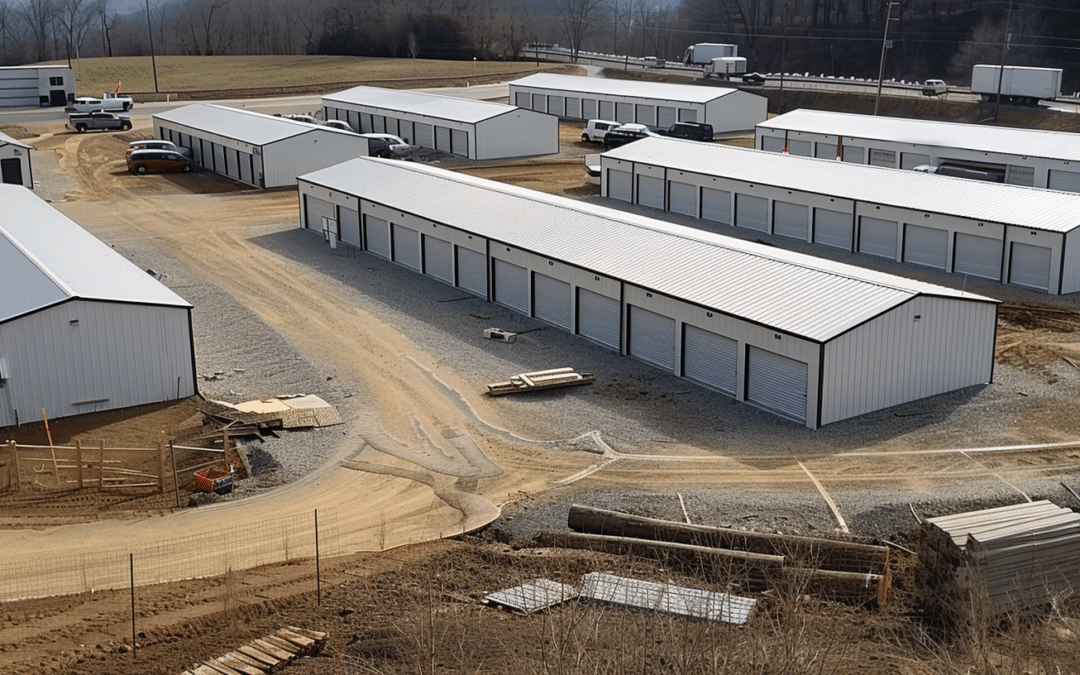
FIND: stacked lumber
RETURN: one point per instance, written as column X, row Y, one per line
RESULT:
column 1005, row 560
column 265, row 655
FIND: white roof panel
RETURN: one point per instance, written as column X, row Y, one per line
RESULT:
column 8, row 140
column 46, row 258
column 1033, row 208
column 1000, row 140
column 417, row 103
column 788, row 291
column 687, row 93
column 245, row 126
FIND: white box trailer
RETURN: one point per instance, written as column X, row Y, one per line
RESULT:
column 1016, row 84
column 704, row 52
column 725, row 66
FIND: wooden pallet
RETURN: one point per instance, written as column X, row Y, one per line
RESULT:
column 263, row 655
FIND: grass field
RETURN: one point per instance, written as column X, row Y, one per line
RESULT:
column 261, row 75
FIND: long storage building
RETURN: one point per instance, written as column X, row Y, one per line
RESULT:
column 1032, row 157
column 36, row 86
column 810, row 340
column 653, row 103
column 1016, row 235
column 261, row 150
column 464, row 127
column 15, row 166
column 82, row 329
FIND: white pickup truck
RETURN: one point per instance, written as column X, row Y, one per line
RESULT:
column 109, row 102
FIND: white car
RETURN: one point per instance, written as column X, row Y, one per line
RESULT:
column 387, row 145
column 339, row 124
column 595, row 130
column 86, row 104
column 303, row 118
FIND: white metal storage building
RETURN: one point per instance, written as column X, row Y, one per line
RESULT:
column 1017, row 235
column 473, row 129
column 810, row 340
column 653, row 103
column 36, row 86
column 1032, row 157
column 82, row 329
column 15, row 168
column 253, row 148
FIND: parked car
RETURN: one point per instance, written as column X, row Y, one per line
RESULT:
column 154, row 161
column 157, row 144
column 691, row 131
column 310, row 119
column 934, row 88
column 387, row 145
column 627, row 133
column 82, row 122
column 595, row 130
column 91, row 104
column 339, row 124
column 753, row 78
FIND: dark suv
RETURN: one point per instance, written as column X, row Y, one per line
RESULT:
column 627, row 133
column 691, row 131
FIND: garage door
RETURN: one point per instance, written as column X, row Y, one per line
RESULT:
column 442, row 139
column 777, row 383
column 407, row 131
column 425, row 135
column 599, row 318
column 651, row 191
column 885, row 158
column 624, row 112
column 620, row 184
column 977, row 256
column 588, row 109
column 245, row 168
column 665, row 116
column 521, row 99
column 832, row 228
column 551, row 300
column 791, row 220
column 910, row 160
column 645, row 114
column 652, row 338
column 1030, row 266
column 219, row 159
column 512, row 286
column 877, row 237
column 317, row 210
column 379, row 124
column 377, row 236
column 459, row 142
column 607, row 110
column 799, row 148
column 752, row 212
column 687, row 115
column 472, row 271
column 716, row 205
column 682, row 198
column 439, row 259
column 928, row 246
column 406, row 247
column 556, row 105
column 539, row 102
column 854, row 154
column 710, row 359
column 573, row 107
column 365, row 123
column 1066, row 181
column 1020, row 175
column 772, row 143
column 825, row 150
column 349, row 225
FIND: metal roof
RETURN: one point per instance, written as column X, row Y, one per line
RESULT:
column 46, row 258
column 428, row 105
column 533, row 596
column 687, row 93
column 245, row 126
column 8, row 140
column 802, row 295
column 999, row 140
column 667, row 598
column 1033, row 208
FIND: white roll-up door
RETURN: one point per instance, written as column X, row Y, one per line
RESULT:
column 353, row 118
column 665, row 116
column 573, row 107
column 885, row 158
column 977, row 256
column 539, row 102
column 716, row 205
column 379, row 124
column 556, row 105
column 406, row 247
column 620, row 184
column 777, row 383
column 682, row 198
column 1066, row 181
column 442, row 139
column 245, row 168
column 588, row 109
column 877, row 237
column 652, row 338
column 425, row 135
column 710, row 359
column 1029, row 266
column 825, row 150
column 832, row 228
column 854, row 154
column 624, row 112
column 928, row 246
column 687, row 114
column 366, row 126
column 910, row 160
column 459, row 142
column 220, row 166
column 472, row 271
column 791, row 220
column 377, row 236
column 1020, row 175
column 607, row 110
column 317, row 209
column 439, row 258
column 650, row 192
column 551, row 300
column 645, row 114
column 349, row 225
column 521, row 99
column 599, row 318
column 799, row 148
column 772, row 143
column 752, row 212
column 407, row 131
column 512, row 286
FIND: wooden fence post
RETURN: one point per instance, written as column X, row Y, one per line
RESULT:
column 101, row 467
column 14, row 447
column 161, row 466
column 79, row 461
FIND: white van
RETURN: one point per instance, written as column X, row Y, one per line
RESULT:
column 595, row 130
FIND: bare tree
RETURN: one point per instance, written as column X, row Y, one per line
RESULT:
column 203, row 27
column 38, row 16
column 75, row 18
column 12, row 29
column 579, row 19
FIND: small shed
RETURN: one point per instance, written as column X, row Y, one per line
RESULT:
column 15, row 168
column 82, row 329
column 261, row 150
column 36, row 86
column 464, row 127
column 653, row 103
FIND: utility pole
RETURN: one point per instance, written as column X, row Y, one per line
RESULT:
column 150, row 31
column 884, row 48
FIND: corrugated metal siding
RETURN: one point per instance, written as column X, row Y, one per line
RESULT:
column 434, row 106
column 602, row 86
column 516, row 134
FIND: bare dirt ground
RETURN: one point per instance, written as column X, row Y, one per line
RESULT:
column 413, row 609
